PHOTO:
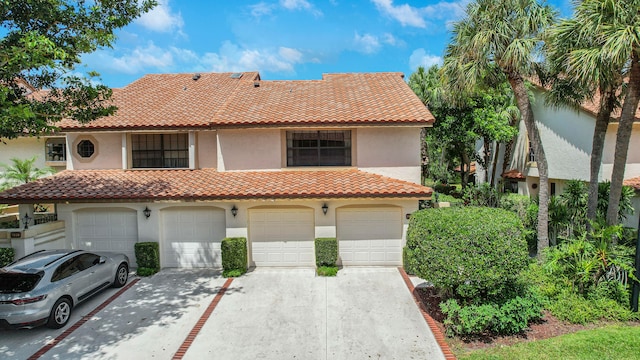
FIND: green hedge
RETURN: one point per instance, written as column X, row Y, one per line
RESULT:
column 234, row 256
column 6, row 256
column 473, row 253
column 326, row 251
column 408, row 261
column 147, row 257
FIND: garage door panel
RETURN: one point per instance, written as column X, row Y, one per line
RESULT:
column 107, row 230
column 370, row 236
column 282, row 237
column 192, row 237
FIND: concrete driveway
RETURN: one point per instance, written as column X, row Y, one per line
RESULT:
column 363, row 313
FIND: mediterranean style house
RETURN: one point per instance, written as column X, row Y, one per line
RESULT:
column 567, row 136
column 190, row 159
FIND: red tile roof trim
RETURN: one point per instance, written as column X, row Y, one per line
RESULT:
column 209, row 184
column 633, row 182
column 513, row 174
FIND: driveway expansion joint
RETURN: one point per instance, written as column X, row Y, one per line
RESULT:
column 186, row 344
column 440, row 339
column 51, row 344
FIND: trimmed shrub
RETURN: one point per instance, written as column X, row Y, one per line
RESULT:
column 6, row 256
column 147, row 257
column 512, row 317
column 409, row 262
column 326, row 251
column 234, row 256
column 327, row 270
column 472, row 253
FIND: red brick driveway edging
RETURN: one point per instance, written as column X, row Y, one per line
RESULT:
column 43, row 350
column 203, row 319
column 448, row 354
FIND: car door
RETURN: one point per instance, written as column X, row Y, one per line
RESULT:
column 69, row 278
column 95, row 275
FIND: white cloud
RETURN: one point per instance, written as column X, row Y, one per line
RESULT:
column 367, row 43
column 405, row 14
column 289, row 54
column 261, row 9
column 419, row 57
column 161, row 19
column 390, row 39
column 408, row 15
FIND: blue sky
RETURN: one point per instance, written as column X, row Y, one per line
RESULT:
column 282, row 39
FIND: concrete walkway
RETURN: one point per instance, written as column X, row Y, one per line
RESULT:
column 363, row 313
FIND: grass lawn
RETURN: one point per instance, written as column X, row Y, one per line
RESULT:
column 610, row 342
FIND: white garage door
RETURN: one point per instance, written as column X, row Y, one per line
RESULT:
column 282, row 237
column 370, row 236
column 107, row 230
column 192, row 237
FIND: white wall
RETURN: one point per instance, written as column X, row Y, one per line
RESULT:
column 23, row 148
column 632, row 169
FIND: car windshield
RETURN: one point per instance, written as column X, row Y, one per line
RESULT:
column 17, row 283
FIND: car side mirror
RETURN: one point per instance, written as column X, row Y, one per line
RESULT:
column 102, row 260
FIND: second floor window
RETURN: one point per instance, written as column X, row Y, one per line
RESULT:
column 56, row 149
column 532, row 154
column 160, row 151
column 319, row 148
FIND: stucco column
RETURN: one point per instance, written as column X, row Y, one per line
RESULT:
column 125, row 157
column 192, row 150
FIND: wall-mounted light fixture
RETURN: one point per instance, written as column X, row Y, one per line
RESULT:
column 325, row 208
column 146, row 212
column 26, row 218
column 234, row 211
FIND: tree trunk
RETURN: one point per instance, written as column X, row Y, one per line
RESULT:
column 526, row 113
column 494, row 165
column 603, row 118
column 424, row 155
column 465, row 166
column 508, row 149
column 629, row 109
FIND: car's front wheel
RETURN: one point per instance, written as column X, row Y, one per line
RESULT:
column 122, row 275
column 60, row 313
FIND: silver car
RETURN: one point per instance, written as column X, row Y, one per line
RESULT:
column 43, row 287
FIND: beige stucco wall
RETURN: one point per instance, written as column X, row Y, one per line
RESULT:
column 392, row 152
column 206, row 149
column 249, row 149
column 108, row 154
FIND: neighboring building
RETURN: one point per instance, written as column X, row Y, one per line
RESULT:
column 189, row 159
column 567, row 137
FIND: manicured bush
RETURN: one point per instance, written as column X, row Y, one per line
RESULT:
column 234, row 256
column 147, row 257
column 326, row 251
column 511, row 317
column 6, row 256
column 409, row 261
column 327, row 270
column 472, row 253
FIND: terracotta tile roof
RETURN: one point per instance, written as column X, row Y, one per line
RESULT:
column 472, row 168
column 208, row 184
column 513, row 174
column 216, row 100
column 633, row 182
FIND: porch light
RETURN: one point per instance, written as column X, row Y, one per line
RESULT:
column 234, row 211
column 26, row 218
column 325, row 208
column 146, row 212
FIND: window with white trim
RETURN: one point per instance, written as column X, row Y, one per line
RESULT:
column 160, row 151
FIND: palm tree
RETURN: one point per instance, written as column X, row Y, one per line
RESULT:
column 504, row 35
column 592, row 52
column 23, row 171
